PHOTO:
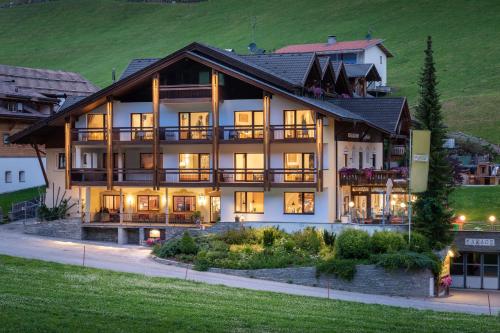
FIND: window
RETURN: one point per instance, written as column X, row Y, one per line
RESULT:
column 15, row 107
column 111, row 202
column 146, row 161
column 142, row 126
column 190, row 165
column 360, row 160
column 8, row 176
column 299, row 124
column 184, row 203
column 148, row 202
column 346, row 159
column 381, row 60
column 250, row 167
column 374, row 161
column 193, row 125
column 299, row 202
column 97, row 124
column 302, row 161
column 457, row 266
column 249, row 202
column 251, row 124
column 349, row 58
column 22, row 176
column 115, row 160
column 61, row 161
column 6, row 138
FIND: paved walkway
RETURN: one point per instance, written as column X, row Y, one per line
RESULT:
column 136, row 259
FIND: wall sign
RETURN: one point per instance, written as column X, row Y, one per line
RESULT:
column 479, row 242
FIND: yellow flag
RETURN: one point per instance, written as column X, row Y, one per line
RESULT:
column 421, row 142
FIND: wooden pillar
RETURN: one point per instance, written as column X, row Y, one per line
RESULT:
column 109, row 143
column 215, row 126
column 156, row 122
column 39, row 157
column 266, row 108
column 121, row 206
column 319, row 153
column 166, row 205
column 67, row 151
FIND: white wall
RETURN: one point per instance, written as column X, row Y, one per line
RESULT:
column 57, row 183
column 372, row 56
column 353, row 149
column 33, row 175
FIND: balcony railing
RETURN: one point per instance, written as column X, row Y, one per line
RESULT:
column 185, row 176
column 133, row 134
column 141, row 217
column 241, row 133
column 133, row 176
column 185, row 92
column 293, row 132
column 90, row 135
column 368, row 177
column 398, row 150
column 292, row 176
column 186, row 134
column 88, row 175
column 239, row 176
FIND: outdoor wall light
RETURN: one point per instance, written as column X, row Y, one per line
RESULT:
column 462, row 218
column 154, row 233
column 130, row 200
column 202, row 199
column 403, row 205
column 163, row 199
column 492, row 218
column 351, row 204
column 451, row 254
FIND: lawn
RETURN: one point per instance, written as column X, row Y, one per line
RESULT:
column 94, row 37
column 477, row 203
column 7, row 199
column 42, row 296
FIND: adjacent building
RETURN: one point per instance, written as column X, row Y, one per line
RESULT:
column 26, row 96
column 252, row 138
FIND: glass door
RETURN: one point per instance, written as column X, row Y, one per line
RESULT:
column 360, row 206
column 490, row 271
column 473, row 270
column 214, row 209
column 142, row 126
column 96, row 123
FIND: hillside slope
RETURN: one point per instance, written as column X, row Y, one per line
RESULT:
column 92, row 37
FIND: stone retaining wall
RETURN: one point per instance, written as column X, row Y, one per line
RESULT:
column 369, row 279
column 67, row 228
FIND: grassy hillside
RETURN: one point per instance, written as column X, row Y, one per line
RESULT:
column 92, row 37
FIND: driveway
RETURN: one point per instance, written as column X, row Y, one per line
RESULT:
column 136, row 259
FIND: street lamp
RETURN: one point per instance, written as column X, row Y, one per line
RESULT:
column 492, row 218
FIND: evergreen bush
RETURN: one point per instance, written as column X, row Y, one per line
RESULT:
column 387, row 241
column 352, row 244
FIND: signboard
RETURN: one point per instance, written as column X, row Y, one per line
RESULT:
column 421, row 142
column 479, row 242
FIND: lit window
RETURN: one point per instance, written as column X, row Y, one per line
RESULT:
column 22, row 176
column 148, row 202
column 111, row 202
column 249, row 202
column 8, row 176
column 184, row 203
column 299, row 202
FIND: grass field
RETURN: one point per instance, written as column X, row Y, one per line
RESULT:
column 94, row 37
column 477, row 203
column 7, row 199
column 40, row 296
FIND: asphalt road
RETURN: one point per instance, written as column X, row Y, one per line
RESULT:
column 136, row 259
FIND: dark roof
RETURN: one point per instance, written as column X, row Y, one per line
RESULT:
column 46, row 81
column 336, row 68
column 136, row 65
column 368, row 71
column 381, row 112
column 70, row 100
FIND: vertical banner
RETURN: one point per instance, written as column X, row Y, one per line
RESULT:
column 420, row 147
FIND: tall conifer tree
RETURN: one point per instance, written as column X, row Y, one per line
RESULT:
column 433, row 214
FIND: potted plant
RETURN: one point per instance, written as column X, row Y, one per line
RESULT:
column 104, row 214
column 197, row 217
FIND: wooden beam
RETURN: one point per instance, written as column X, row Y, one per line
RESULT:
column 39, row 157
column 67, row 151
column 109, row 142
column 319, row 153
column 215, row 126
column 266, row 108
column 156, row 125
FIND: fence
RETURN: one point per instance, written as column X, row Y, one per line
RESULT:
column 25, row 209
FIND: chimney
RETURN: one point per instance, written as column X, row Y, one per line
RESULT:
column 332, row 39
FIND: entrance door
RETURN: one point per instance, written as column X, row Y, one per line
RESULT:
column 214, row 209
column 361, row 206
column 473, row 270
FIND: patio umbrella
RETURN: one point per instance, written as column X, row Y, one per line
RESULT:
column 388, row 191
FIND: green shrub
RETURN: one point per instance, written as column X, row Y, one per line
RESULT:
column 168, row 249
column 328, row 238
column 187, row 244
column 240, row 236
column 352, row 244
column 388, row 241
column 418, row 243
column 268, row 237
column 341, row 268
column 407, row 260
column 201, row 262
column 308, row 240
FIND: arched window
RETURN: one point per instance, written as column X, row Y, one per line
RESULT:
column 8, row 176
column 22, row 176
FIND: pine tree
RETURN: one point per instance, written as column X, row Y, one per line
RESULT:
column 433, row 214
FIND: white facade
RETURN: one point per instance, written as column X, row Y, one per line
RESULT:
column 19, row 173
column 374, row 55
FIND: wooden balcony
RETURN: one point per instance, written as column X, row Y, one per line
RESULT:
column 241, row 134
column 89, row 135
column 241, row 177
column 191, row 134
column 186, row 177
column 151, row 218
column 136, row 135
column 88, row 176
column 133, row 177
column 185, row 93
column 398, row 150
column 293, row 133
column 293, row 177
column 368, row 177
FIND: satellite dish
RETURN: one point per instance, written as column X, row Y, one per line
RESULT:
column 252, row 47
